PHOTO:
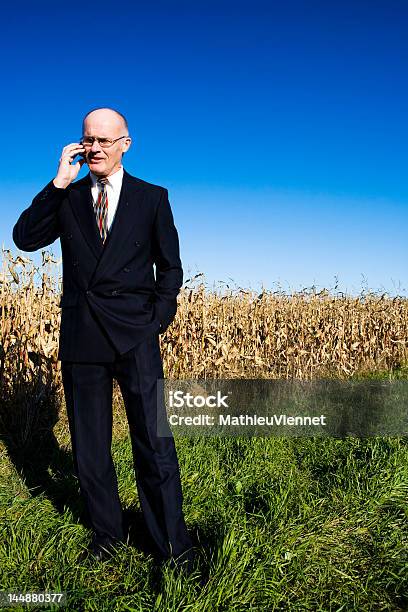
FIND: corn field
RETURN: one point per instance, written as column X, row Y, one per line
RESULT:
column 232, row 333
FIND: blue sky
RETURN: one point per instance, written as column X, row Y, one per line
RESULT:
column 279, row 128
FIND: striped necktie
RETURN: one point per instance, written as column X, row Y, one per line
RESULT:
column 101, row 208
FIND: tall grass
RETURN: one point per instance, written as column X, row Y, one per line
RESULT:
column 279, row 524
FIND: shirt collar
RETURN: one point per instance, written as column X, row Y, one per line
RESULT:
column 115, row 179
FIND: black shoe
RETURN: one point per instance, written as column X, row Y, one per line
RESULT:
column 101, row 548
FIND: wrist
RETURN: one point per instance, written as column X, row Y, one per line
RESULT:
column 60, row 184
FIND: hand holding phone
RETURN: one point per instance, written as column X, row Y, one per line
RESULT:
column 68, row 169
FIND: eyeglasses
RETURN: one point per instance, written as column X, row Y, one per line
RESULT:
column 105, row 143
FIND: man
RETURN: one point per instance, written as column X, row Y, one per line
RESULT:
column 113, row 227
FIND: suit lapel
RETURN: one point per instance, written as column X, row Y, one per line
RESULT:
column 81, row 202
column 126, row 216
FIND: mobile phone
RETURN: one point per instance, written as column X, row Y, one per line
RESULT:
column 78, row 156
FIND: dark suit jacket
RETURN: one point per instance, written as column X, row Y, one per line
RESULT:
column 111, row 299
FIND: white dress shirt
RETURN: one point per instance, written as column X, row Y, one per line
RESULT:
column 113, row 187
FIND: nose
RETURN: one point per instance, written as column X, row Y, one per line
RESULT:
column 96, row 146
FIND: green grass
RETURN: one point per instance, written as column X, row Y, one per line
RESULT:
column 280, row 524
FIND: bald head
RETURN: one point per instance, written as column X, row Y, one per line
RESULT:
column 105, row 124
column 108, row 117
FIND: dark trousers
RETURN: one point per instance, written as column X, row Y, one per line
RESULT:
column 88, row 389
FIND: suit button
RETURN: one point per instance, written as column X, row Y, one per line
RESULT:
column 114, row 292
column 75, row 262
column 89, row 292
column 137, row 243
column 69, row 236
column 126, row 269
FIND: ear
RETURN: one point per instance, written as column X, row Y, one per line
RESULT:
column 126, row 144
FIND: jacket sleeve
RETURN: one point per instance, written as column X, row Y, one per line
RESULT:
column 166, row 256
column 38, row 226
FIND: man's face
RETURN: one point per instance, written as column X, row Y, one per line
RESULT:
column 104, row 123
